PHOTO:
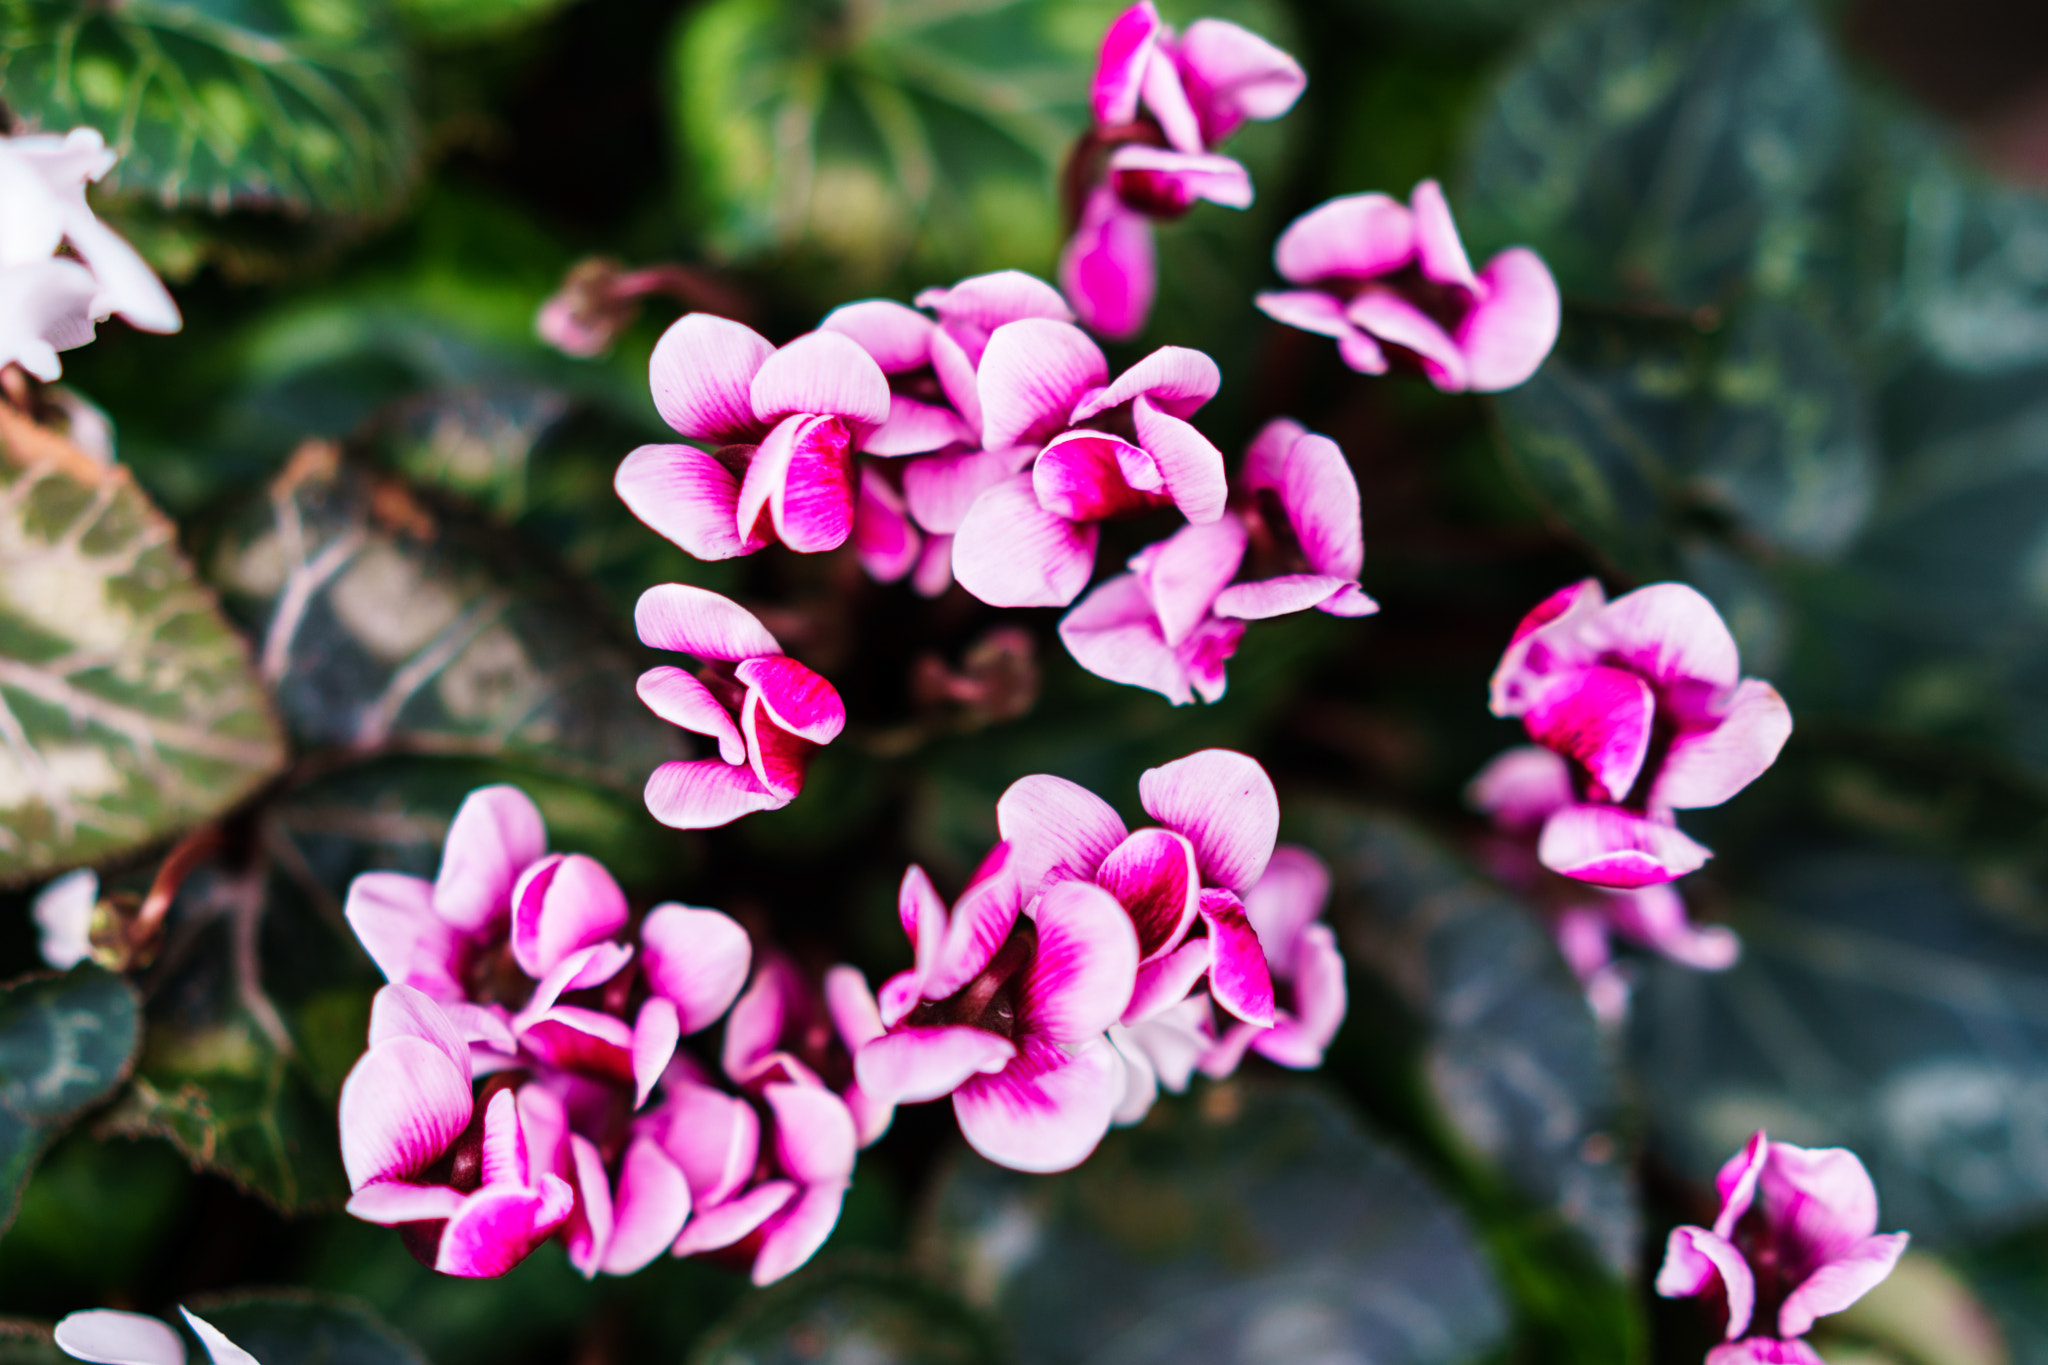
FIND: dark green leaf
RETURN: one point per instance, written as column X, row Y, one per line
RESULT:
column 224, row 103
column 25, row 1343
column 284, row 1328
column 128, row 708
column 851, row 1314
column 470, row 21
column 65, row 1043
column 1269, row 1228
column 2011, row 1278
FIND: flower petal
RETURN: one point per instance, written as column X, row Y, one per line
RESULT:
column 694, row 620
column 706, row 794
column 652, row 1204
column 1127, row 46
column 112, row 1337
column 1114, row 633
column 398, row 1011
column 697, row 959
column 1080, row 476
column 678, row 698
column 1238, row 975
column 393, row 916
column 1300, row 1036
column 1176, row 379
column 1163, row 94
column 687, row 495
column 1044, row 1112
column 1706, row 767
column 1438, row 251
column 982, row 303
column 1600, row 718
column 1165, row 181
column 1520, row 787
column 1184, row 573
column 1840, row 1282
column 1319, row 493
column 1394, row 320
column 1546, row 641
column 1671, row 635
column 1608, row 846
column 1736, row 1181
column 1764, row 1351
column 1057, row 830
column 579, row 1039
column 814, row 1138
column 824, row 374
column 938, row 489
column 1311, row 310
column 1514, row 323
column 392, row 1203
column 656, row 1030
column 563, row 903
column 887, row 545
column 401, row 1106
column 1011, row 552
column 1081, row 978
column 1655, row 917
column 1269, row 597
column 912, row 1064
column 800, row 701
column 497, row 1229
column 798, row 1229
column 723, row 1224
column 915, row 427
column 1226, row 806
column 802, row 474
column 497, row 833
column 779, row 758
column 701, row 373
column 1355, row 237
column 1288, row 898
column 1190, row 465
column 714, row 1137
column 981, row 923
column 897, row 337
column 1232, row 75
column 1165, row 982
column 1032, row 374
column 1152, row 875
column 1694, row 1260
column 1818, row 1201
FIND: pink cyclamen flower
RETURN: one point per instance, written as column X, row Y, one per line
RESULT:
column 1162, row 104
column 1007, row 1014
column 1796, row 1239
column 1374, row 273
column 1172, row 623
column 785, row 422
column 1285, row 908
column 767, row 711
column 108, row 1336
column 1104, row 451
column 785, row 1028
column 1521, row 789
column 1645, row 699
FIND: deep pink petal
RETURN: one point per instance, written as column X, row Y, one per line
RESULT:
column 1176, row 379
column 697, row 621
column 1520, row 787
column 1086, row 966
column 687, row 495
column 697, row 959
column 1608, row 846
column 1355, row 237
column 1233, row 75
column 1152, row 874
column 579, row 1039
column 1056, row 830
column 497, row 1229
column 1238, row 975
column 1269, row 597
column 821, row 374
column 1191, row 466
column 802, row 476
column 1109, row 270
column 1011, row 552
column 1288, row 898
column 1032, row 374
column 1513, row 324
column 1226, row 806
column 714, row 1137
column 897, row 337
column 112, row 1337
column 562, row 904
column 399, row 1011
column 701, row 373
column 981, row 923
column 915, row 427
column 1167, row 182
column 1044, row 1112
column 1840, row 1282
column 1396, row 321
column 1300, row 1036
column 814, row 1139
column 1706, row 767
column 651, row 1206
column 1080, row 476
column 913, row 1064
column 798, row 1229
column 706, row 794
column 1694, row 1260
column 938, row 489
column 1668, row 633
column 401, row 1106
column 800, row 701
column 1548, row 640
column 1114, row 633
column 1165, row 981
column 497, row 833
column 779, row 758
column 723, row 1224
column 390, row 1203
column 656, row 1031
column 1127, row 46
column 1438, row 250
column 1600, row 718
column 393, row 916
column 887, row 544
column 677, row 697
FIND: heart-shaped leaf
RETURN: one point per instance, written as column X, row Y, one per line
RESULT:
column 840, row 1313
column 289, row 1328
column 65, row 1043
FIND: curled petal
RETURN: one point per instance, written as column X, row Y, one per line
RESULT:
column 778, row 758
column 723, row 1224
column 939, row 489
column 1300, row 1036
column 915, row 427
column 1608, row 846
column 1163, row 94
column 706, row 794
column 1694, row 1260
column 1233, row 75
column 1438, row 251
column 914, row 1064
column 1671, row 635
column 802, row 477
column 1165, row 982
column 1032, row 374
column 697, row 959
column 1546, row 641
column 393, row 916
column 1310, row 310
column 656, row 1031
column 392, row 1203
column 1176, row 380
column 401, row 1106
column 1057, row 830
column 1282, row 596
column 678, row 698
column 1655, row 917
column 1114, row 633
column 1081, row 476
column 578, row 1039
column 1081, row 978
column 1706, row 767
column 1319, row 493
column 652, row 1204
column 1513, row 324
column 1288, row 898
column 981, row 922
column 982, row 303
column 1600, row 718
column 1191, row 467
column 1736, row 1181
column 496, row 835
column 799, row 700
column 821, row 374
column 496, row 1229
column 563, row 904
column 1011, row 552
column 1167, row 182
column 689, row 496
column 1522, row 786
column 1226, row 806
column 814, row 1140
column 701, row 373
column 887, row 544
column 1819, row 1202
column 1238, row 975
column 1394, row 320
column 1152, row 874
column 399, row 1011
column 798, row 1229
column 1355, row 237
column 1044, row 1112
column 694, row 620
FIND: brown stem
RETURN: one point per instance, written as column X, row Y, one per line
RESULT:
column 185, row 857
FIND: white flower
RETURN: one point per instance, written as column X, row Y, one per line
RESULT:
column 63, row 911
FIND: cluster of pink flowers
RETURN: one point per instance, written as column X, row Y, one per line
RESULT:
column 529, row 971
column 1163, row 102
column 1796, row 1239
column 1083, row 966
column 1638, row 709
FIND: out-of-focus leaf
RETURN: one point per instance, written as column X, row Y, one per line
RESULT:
column 65, row 1043
column 851, row 1314
column 477, row 441
column 387, row 621
column 92, row 1215
column 1879, row 1005
column 128, row 706
column 286, row 1328
column 224, row 103
column 1513, row 1057
column 27, row 1343
column 1664, row 154
column 469, row 21
column 2011, row 1278
column 1268, row 1228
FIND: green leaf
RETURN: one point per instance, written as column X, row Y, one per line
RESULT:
column 2011, row 1277
column 296, row 1328
column 1269, row 1227
column 65, row 1043
column 1666, row 155
column 296, row 105
column 1880, row 1004
column 851, row 1313
column 473, row 21
column 387, row 621
column 27, row 1343
column 128, row 707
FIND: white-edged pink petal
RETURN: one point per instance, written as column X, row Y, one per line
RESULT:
column 1819, row 1201
column 814, row 1140
column 1044, row 1112
column 496, row 1229
column 1696, row 1259
column 1239, row 977
column 1548, row 639
column 656, row 1031
column 390, row 1203
column 1232, row 75
column 821, row 374
column 1128, row 45
column 393, row 916
column 732, row 1220
column 706, row 794
column 797, row 699
column 701, row 373
column 1086, row 476
column 798, row 1229
column 981, row 922
column 109, row 1336
column 1165, row 181
column 1512, row 324
column 693, row 620
column 1599, row 718
column 1176, row 379
column 1152, row 875
column 562, row 904
column 677, row 697
column 1355, row 237
column 911, row 1064
column 1670, row 634
column 982, row 303
column 938, row 489
column 687, row 495
column 914, row 427
column 399, row 1011
column 1011, row 552
column 1225, row 804
column 1393, row 319
column 496, row 834
column 1521, row 786
column 1438, row 251
column 1189, row 463
column 1114, row 633
column 1163, row 94
column 401, row 1106
column 1608, row 846
column 219, row 1349
column 648, row 1211
column 1265, row 598
column 1032, row 374
column 1319, row 493
column 1706, row 767
column 696, row 958
column 1057, row 830
column 896, row 336
column 1080, row 980
column 1840, row 1282
column 1165, row 981
column 801, row 478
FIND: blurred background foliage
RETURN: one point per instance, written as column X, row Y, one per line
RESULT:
column 1804, row 367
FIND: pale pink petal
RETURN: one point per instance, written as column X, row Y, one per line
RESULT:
column 1668, row 633
column 390, row 1203
column 733, row 1220
column 652, row 1204
column 897, row 337
column 1233, row 75
column 697, row 959
column 1393, row 319
column 1044, row 1112
column 1312, row 310
column 687, row 495
column 393, row 916
column 802, row 477
column 982, row 303
column 913, row 1064
column 678, row 698
column 1764, row 1351
column 1288, row 898
column 1165, row 982
column 922, row 913
column 1239, row 978
column 1600, row 718
column 399, row 1011
column 938, row 489
column 112, row 1337
column 1141, row 1080
column 698, row 621
column 1056, row 830
column 1320, row 496
column 1265, row 459
column 1167, row 99
column 1547, row 640
column 953, row 363
column 1032, row 374
column 1226, row 806
column 1300, row 1036
column 1818, row 1201
column 1736, row 1182
column 1081, row 476
column 1355, row 237
column 1520, row 787
column 1222, row 1058
column 1109, row 271
column 1127, row 46
column 562, row 904
column 1168, row 182
column 497, row 833
column 656, row 1031
column 590, row 1224
column 1513, row 324
column 1152, row 874
column 714, row 1137
column 800, row 701
column 503, row 1158
column 1190, row 465
column 754, row 1028
column 887, row 544
column 934, row 572
column 1706, row 767
column 545, row 1121
column 1655, row 917
column 1348, row 600
column 1840, row 1282
column 821, row 374
column 1011, row 552
column 798, row 1229
column 1114, row 633
column 1438, row 251
column 1694, row 1259
column 401, row 1106
column 219, row 1349
column 706, row 794
column 1205, row 653
column 855, row 1016
column 701, row 373
column 814, row 1139
column 1269, row 597
column 1608, row 846
column 497, row 1229
column 1176, row 379
column 915, row 427
column 1081, row 978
